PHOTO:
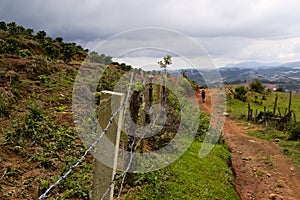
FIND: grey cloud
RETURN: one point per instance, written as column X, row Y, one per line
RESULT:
column 196, row 18
column 226, row 28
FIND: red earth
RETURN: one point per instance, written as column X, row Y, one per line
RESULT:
column 261, row 170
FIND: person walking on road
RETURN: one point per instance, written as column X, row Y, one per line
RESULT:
column 203, row 95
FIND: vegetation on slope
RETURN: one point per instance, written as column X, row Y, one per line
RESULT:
column 38, row 141
column 37, row 137
column 23, row 42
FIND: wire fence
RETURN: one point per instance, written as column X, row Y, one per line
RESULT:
column 91, row 148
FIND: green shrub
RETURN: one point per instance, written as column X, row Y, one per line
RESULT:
column 2, row 46
column 103, row 59
column 280, row 90
column 240, row 93
column 4, row 108
column 25, row 53
column 12, row 46
column 42, row 78
column 256, row 86
column 15, row 80
column 295, row 132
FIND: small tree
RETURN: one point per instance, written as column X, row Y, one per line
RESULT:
column 51, row 51
column 256, row 86
column 41, row 35
column 12, row 28
column 12, row 46
column 20, row 30
column 167, row 60
column 103, row 59
column 59, row 39
column 240, row 93
column 68, row 51
column 3, row 26
column 29, row 31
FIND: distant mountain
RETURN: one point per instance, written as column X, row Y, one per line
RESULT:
column 251, row 65
column 291, row 65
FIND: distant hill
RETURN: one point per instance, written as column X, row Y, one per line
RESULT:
column 291, row 65
column 252, row 65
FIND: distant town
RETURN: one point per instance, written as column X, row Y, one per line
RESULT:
column 285, row 77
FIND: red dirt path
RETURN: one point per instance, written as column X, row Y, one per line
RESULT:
column 261, row 170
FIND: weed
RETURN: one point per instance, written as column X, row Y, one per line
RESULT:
column 261, row 173
column 12, row 172
column 25, row 53
column 44, row 185
column 42, row 78
column 267, row 161
column 15, row 80
column 2, row 75
column 61, row 108
column 280, row 185
column 286, row 151
column 4, row 107
column 17, row 149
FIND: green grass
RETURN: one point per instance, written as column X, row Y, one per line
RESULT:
column 238, row 109
column 190, row 177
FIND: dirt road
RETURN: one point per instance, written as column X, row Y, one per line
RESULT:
column 261, row 170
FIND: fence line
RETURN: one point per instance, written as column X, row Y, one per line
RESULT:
column 91, row 147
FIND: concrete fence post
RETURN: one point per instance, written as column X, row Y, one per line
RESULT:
column 104, row 173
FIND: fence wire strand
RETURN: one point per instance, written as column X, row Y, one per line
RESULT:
column 91, row 147
column 133, row 148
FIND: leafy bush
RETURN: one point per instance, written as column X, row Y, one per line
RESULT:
column 240, row 93
column 51, row 51
column 3, row 26
column 25, row 53
column 2, row 46
column 12, row 46
column 280, row 90
column 103, row 59
column 256, row 86
column 295, row 132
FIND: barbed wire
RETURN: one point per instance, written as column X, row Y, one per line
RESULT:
column 116, row 178
column 91, row 147
column 132, row 152
column 133, row 148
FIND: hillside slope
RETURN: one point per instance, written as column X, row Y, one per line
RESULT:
column 37, row 137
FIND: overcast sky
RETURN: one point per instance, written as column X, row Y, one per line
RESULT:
column 230, row 31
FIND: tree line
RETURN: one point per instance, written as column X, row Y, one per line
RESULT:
column 20, row 41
